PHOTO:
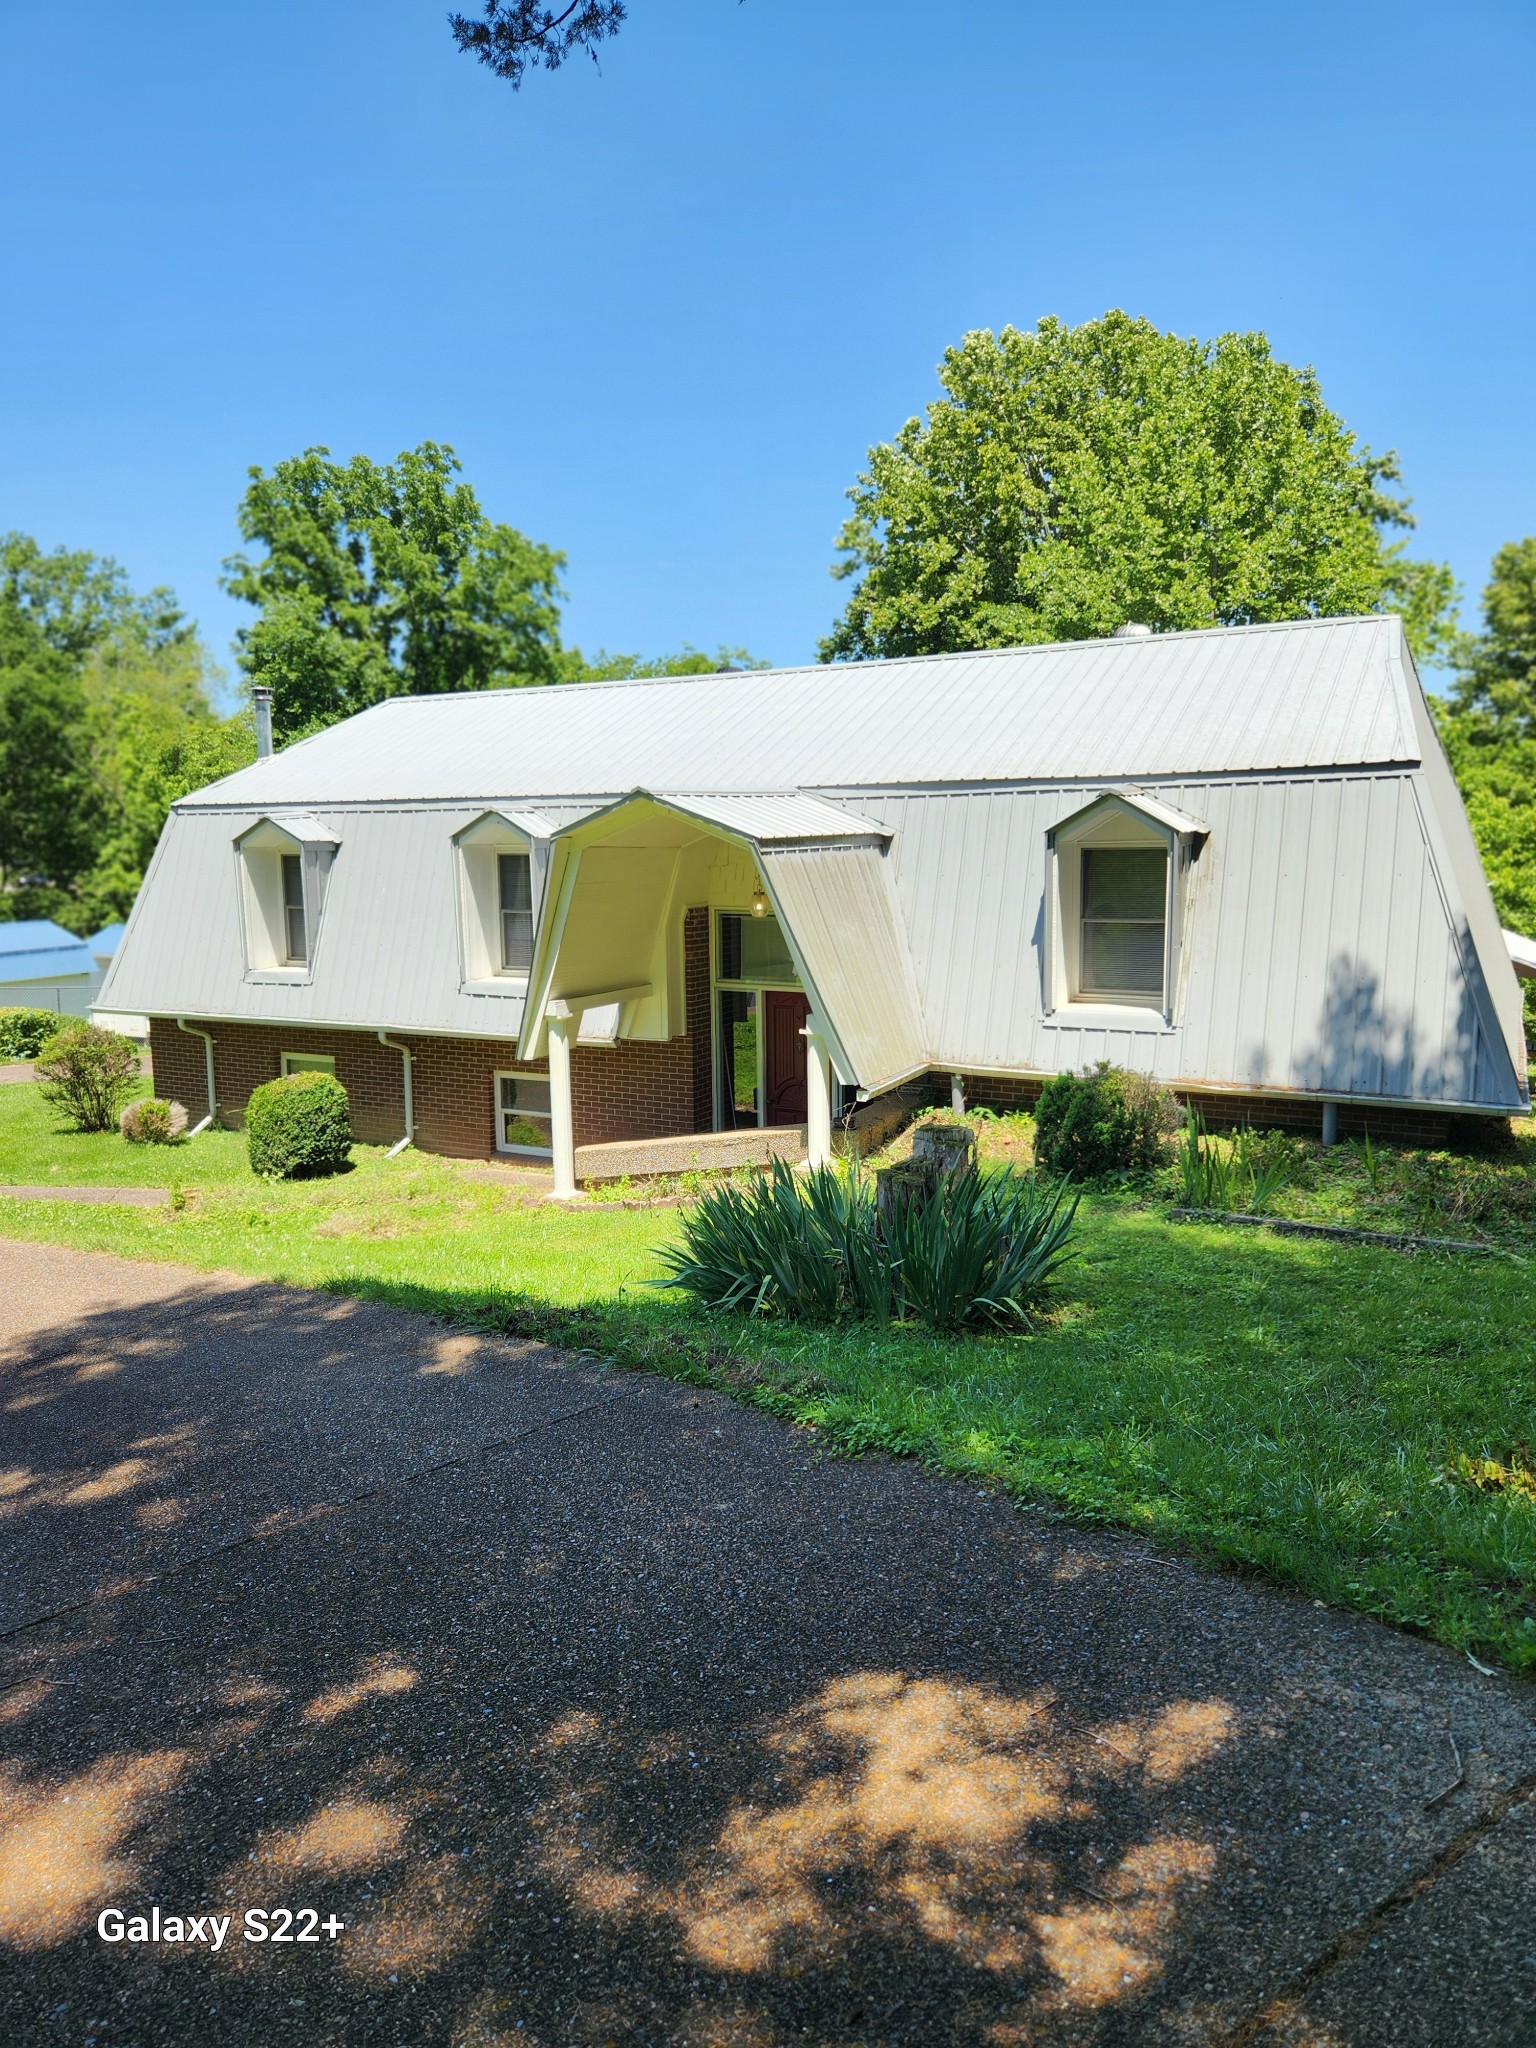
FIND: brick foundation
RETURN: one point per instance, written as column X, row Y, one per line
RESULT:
column 635, row 1089
column 1391, row 1124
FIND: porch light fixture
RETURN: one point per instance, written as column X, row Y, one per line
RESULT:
column 760, row 904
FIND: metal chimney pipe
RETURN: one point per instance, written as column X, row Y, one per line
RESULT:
column 261, row 704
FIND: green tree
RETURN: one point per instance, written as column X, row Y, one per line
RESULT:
column 50, row 806
column 1497, row 689
column 1489, row 729
column 386, row 578
column 70, row 602
column 516, row 36
column 691, row 661
column 1074, row 478
column 100, row 691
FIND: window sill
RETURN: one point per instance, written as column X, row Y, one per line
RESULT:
column 279, row 977
column 497, row 985
column 524, row 1152
column 1110, row 1016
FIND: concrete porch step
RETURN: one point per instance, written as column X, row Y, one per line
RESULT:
column 696, row 1152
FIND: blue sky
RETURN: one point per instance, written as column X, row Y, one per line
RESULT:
column 661, row 309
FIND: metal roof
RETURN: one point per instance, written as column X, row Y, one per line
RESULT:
column 37, row 949
column 1338, row 938
column 1323, row 693
column 787, row 819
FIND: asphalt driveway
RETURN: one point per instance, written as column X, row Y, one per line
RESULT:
column 582, row 1708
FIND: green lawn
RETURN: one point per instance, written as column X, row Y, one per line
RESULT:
column 1290, row 1405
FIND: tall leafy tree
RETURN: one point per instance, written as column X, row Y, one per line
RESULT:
column 1497, row 688
column 1489, row 729
column 50, row 806
column 101, row 692
column 386, row 578
column 1073, row 478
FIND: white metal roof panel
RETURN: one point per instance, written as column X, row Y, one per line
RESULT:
column 772, row 820
column 837, row 906
column 1314, row 694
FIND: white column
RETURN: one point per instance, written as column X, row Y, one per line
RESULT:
column 562, row 1128
column 818, row 1101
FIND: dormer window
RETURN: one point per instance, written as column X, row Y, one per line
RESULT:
column 285, row 871
column 1117, row 902
column 514, row 878
column 293, row 909
column 500, row 860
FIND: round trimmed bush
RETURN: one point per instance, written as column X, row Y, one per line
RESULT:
column 1102, row 1121
column 298, row 1127
column 150, row 1121
column 24, row 1033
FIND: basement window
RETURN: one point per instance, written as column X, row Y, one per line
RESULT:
column 522, row 1115
column 310, row 1063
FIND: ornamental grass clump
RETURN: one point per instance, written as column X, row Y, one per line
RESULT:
column 89, row 1073
column 1103, row 1121
column 24, row 1033
column 153, row 1122
column 299, row 1127
column 978, row 1250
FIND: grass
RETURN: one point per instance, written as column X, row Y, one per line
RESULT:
column 1350, row 1420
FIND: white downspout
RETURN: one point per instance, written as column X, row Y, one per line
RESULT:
column 410, row 1101
column 818, row 1100
column 193, row 1031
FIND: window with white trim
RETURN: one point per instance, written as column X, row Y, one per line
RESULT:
column 1122, row 948
column 295, row 938
column 1119, row 876
column 310, row 1063
column 285, row 866
column 514, row 889
column 498, row 881
column 522, row 1115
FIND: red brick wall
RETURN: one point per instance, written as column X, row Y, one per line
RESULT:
column 634, row 1089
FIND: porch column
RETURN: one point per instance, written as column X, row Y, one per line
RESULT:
column 562, row 1128
column 818, row 1100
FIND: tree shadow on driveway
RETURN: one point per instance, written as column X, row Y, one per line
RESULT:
column 600, row 1710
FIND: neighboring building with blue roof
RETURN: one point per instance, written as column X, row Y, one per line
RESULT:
column 104, row 944
column 47, row 968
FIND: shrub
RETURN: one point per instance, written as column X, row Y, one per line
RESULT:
column 153, row 1122
column 979, row 1249
column 89, row 1072
column 1104, row 1120
column 23, row 1033
column 298, row 1127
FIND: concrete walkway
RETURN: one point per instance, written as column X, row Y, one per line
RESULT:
column 602, row 1711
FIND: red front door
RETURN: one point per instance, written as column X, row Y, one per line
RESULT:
column 784, row 1016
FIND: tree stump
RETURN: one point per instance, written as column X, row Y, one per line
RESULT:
column 944, row 1150
column 907, row 1185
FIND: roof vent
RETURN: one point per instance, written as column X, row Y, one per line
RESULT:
column 1132, row 630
